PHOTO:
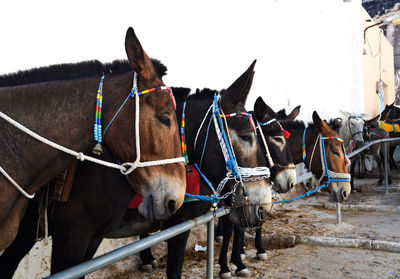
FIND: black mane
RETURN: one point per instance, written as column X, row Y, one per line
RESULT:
column 72, row 71
column 334, row 123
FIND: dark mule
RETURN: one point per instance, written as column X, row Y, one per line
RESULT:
column 389, row 119
column 81, row 216
column 272, row 139
column 373, row 132
column 63, row 111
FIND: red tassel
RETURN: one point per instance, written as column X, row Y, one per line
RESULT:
column 286, row 133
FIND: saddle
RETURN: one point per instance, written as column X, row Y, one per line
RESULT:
column 389, row 127
column 63, row 183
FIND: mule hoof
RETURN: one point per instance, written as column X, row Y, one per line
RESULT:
column 243, row 273
column 146, row 268
column 242, row 257
column 225, row 275
column 262, row 257
column 154, row 264
column 219, row 238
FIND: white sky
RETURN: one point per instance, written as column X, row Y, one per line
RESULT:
column 203, row 43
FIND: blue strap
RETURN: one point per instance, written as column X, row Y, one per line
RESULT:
column 394, row 128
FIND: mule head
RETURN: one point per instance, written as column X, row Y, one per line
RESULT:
column 255, row 196
column 283, row 172
column 161, row 187
column 352, row 129
column 335, row 158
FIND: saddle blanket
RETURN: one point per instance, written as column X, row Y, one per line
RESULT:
column 389, row 127
column 192, row 187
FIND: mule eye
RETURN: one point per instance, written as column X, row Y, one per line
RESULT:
column 164, row 120
column 278, row 139
column 336, row 153
column 247, row 138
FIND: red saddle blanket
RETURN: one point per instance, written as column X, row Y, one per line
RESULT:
column 192, row 187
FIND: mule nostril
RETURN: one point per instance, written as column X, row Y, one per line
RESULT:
column 344, row 194
column 291, row 185
column 172, row 206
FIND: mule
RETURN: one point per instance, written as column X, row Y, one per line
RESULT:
column 373, row 132
column 72, row 219
column 351, row 131
column 283, row 174
column 391, row 116
column 52, row 107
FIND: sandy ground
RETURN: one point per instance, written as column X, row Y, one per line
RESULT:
column 301, row 218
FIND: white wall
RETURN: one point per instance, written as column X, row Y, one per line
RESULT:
column 309, row 52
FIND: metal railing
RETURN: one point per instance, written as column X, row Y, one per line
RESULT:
column 140, row 245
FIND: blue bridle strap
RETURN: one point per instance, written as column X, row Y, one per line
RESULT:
column 329, row 179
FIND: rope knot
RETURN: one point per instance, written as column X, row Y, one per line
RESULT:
column 80, row 156
column 127, row 168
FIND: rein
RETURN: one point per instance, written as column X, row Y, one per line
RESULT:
column 125, row 168
column 330, row 175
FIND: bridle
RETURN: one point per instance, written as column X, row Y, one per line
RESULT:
column 271, row 162
column 134, row 93
column 234, row 171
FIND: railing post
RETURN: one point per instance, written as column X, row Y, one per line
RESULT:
column 210, row 250
column 338, row 213
column 385, row 163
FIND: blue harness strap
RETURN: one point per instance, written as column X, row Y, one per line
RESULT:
column 329, row 179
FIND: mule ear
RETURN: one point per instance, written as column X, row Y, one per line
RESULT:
column 137, row 57
column 262, row 111
column 345, row 113
column 321, row 125
column 295, row 112
column 362, row 115
column 238, row 91
column 372, row 120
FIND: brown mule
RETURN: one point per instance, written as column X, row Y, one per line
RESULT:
column 63, row 109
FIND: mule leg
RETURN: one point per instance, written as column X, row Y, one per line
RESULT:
column 219, row 233
column 176, row 252
column 24, row 241
column 241, row 269
column 261, row 254
column 379, row 163
column 148, row 261
column 223, row 258
column 352, row 167
column 68, row 250
column 242, row 253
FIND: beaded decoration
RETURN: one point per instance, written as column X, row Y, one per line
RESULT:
column 99, row 104
column 183, row 139
column 243, row 114
column 154, row 89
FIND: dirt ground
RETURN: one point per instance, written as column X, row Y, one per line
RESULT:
column 304, row 217
column 307, row 218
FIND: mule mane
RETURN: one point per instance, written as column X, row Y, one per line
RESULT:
column 204, row 93
column 299, row 124
column 281, row 114
column 72, row 71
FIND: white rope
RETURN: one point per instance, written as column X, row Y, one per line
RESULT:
column 201, row 125
column 16, row 185
column 125, row 168
column 268, row 155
